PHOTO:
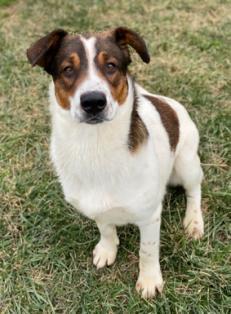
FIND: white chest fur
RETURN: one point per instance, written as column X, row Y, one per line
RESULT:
column 100, row 176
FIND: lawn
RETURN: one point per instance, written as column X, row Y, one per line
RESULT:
column 45, row 247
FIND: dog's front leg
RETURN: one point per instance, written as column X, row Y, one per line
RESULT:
column 150, row 277
column 105, row 251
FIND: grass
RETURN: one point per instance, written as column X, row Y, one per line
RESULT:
column 45, row 248
column 6, row 2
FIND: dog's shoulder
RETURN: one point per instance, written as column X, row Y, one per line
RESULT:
column 169, row 114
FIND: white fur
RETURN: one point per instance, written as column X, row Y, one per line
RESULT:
column 93, row 82
column 106, row 182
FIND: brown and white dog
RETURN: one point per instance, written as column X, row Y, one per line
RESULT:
column 115, row 146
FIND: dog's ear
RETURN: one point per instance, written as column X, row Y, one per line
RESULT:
column 42, row 51
column 125, row 36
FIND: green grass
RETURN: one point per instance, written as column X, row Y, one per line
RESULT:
column 45, row 248
column 6, row 2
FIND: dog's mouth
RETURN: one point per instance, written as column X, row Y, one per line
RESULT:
column 95, row 119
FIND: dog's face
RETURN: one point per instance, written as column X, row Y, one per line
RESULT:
column 89, row 71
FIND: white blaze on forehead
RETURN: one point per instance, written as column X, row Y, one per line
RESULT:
column 90, row 50
column 92, row 82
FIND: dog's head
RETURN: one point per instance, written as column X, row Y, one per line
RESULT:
column 89, row 71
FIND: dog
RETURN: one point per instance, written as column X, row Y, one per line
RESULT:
column 115, row 146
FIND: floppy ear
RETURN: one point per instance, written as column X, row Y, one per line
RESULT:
column 42, row 51
column 125, row 36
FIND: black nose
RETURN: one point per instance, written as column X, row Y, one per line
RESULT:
column 93, row 102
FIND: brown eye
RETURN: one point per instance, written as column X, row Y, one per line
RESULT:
column 68, row 70
column 111, row 67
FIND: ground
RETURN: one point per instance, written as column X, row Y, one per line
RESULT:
column 45, row 248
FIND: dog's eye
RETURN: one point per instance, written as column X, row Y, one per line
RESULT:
column 111, row 67
column 68, row 70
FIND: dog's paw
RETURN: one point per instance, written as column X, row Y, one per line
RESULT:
column 147, row 286
column 194, row 225
column 104, row 256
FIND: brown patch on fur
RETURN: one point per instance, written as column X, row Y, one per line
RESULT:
column 125, row 36
column 116, row 79
column 62, row 95
column 121, row 91
column 63, row 92
column 43, row 50
column 75, row 59
column 138, row 133
column 102, row 58
column 112, row 47
column 169, row 119
column 63, row 56
column 64, row 86
column 70, row 55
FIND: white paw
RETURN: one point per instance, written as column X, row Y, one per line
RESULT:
column 147, row 286
column 104, row 256
column 194, row 225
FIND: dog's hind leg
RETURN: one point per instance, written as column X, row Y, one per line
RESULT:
column 188, row 173
column 105, row 251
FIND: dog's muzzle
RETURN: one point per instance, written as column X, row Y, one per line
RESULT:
column 93, row 104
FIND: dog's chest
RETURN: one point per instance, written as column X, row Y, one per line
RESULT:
column 104, row 178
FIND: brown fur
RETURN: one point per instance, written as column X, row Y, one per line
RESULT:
column 62, row 91
column 169, row 119
column 71, row 54
column 58, row 50
column 125, row 36
column 62, row 95
column 117, row 81
column 42, row 51
column 112, row 46
column 138, row 133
